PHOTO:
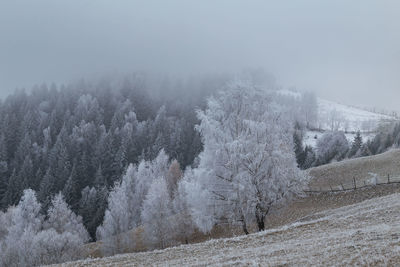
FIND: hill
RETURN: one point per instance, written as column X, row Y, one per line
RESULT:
column 353, row 118
column 337, row 116
column 361, row 169
column 366, row 233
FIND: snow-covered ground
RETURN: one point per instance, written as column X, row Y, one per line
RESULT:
column 346, row 118
column 351, row 118
column 367, row 234
column 311, row 137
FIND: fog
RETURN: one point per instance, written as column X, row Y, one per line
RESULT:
column 348, row 51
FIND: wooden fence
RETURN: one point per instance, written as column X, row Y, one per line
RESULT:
column 356, row 184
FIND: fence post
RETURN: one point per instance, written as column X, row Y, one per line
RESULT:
column 388, row 179
column 355, row 185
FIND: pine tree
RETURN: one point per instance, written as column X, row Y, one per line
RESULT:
column 16, row 185
column 356, row 145
column 364, row 151
column 298, row 146
column 62, row 219
column 100, row 180
column 71, row 189
column 47, row 189
column 26, row 173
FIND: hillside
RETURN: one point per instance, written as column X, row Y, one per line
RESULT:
column 348, row 118
column 366, row 233
column 353, row 118
column 361, row 169
column 343, row 117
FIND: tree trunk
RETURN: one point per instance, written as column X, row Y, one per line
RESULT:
column 260, row 218
column 244, row 225
column 260, row 223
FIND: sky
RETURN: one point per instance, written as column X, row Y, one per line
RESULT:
column 347, row 51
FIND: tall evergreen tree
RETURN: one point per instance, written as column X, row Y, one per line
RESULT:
column 356, row 145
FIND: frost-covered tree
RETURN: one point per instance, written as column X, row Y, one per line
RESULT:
column 63, row 234
column 183, row 224
column 173, row 176
column 62, row 219
column 147, row 172
column 309, row 109
column 331, row 146
column 125, row 203
column 26, row 239
column 157, row 214
column 335, row 120
column 248, row 161
column 25, row 223
column 121, row 215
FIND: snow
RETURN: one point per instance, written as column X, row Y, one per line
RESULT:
column 366, row 233
column 311, row 137
column 358, row 119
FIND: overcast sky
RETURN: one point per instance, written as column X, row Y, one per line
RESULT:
column 347, row 51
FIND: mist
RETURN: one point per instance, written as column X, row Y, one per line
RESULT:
column 347, row 51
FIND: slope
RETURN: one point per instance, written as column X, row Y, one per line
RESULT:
column 360, row 169
column 366, row 233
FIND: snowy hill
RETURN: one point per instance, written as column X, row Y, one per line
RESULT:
column 351, row 118
column 332, row 115
column 344, row 117
column 336, row 116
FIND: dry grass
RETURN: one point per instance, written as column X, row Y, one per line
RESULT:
column 364, row 234
column 343, row 172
